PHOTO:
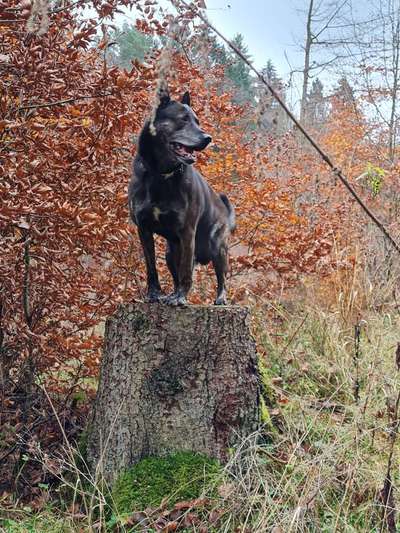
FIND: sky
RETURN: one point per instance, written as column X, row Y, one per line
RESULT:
column 270, row 28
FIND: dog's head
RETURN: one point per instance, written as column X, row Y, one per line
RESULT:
column 177, row 126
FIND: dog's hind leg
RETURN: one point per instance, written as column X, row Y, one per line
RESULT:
column 153, row 285
column 220, row 263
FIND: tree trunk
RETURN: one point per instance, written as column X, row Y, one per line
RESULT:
column 173, row 379
column 306, row 69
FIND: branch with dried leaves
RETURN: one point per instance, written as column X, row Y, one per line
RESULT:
column 338, row 173
column 62, row 102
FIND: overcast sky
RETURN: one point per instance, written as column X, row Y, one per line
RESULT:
column 270, row 28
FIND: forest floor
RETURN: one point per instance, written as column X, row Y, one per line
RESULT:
column 327, row 458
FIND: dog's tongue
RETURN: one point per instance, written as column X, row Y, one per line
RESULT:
column 184, row 151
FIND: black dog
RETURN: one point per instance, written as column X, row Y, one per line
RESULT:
column 169, row 197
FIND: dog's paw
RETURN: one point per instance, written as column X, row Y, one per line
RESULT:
column 221, row 300
column 175, row 299
column 154, row 296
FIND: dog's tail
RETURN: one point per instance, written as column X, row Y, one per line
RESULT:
column 231, row 212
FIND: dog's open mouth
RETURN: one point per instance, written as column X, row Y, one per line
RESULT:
column 184, row 153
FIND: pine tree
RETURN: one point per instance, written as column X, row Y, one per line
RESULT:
column 344, row 91
column 316, row 110
column 270, row 74
column 207, row 44
column 131, row 45
column 238, row 73
column 272, row 117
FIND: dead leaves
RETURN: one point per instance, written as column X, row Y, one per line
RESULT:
column 184, row 514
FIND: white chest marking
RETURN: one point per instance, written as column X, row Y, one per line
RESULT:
column 157, row 212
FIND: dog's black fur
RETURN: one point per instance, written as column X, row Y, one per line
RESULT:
column 169, row 197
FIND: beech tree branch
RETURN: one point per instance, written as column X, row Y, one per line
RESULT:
column 62, row 102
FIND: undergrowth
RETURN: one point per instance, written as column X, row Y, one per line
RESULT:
column 335, row 387
column 318, row 465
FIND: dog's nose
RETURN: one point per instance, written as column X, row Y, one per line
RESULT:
column 206, row 140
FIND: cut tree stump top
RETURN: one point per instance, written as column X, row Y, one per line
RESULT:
column 173, row 379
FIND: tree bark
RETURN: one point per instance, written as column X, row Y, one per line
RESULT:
column 173, row 379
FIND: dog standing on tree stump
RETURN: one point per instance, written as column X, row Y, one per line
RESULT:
column 167, row 196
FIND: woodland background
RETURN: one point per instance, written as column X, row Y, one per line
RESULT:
column 74, row 91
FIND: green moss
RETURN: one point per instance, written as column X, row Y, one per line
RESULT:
column 264, row 413
column 180, row 476
column 267, row 390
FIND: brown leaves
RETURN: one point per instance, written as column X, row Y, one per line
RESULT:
column 64, row 169
column 73, row 187
column 66, row 125
column 184, row 514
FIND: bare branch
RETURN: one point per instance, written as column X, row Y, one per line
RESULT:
column 331, row 18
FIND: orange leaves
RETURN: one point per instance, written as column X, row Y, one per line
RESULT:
column 42, row 188
column 122, row 81
column 68, row 122
column 65, row 164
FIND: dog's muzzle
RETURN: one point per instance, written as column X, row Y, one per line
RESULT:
column 206, row 141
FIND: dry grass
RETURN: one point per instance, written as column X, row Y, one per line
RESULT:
column 323, row 462
column 330, row 385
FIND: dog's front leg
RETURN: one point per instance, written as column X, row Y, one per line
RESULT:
column 185, row 268
column 153, row 285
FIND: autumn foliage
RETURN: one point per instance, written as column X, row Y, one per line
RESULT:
column 68, row 124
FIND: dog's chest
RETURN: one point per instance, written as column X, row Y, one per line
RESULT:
column 160, row 218
column 160, row 207
column 164, row 215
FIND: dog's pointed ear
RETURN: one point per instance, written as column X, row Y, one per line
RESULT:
column 163, row 95
column 186, row 98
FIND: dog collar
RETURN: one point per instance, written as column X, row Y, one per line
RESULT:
column 170, row 174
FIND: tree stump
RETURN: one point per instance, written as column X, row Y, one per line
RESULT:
column 173, row 379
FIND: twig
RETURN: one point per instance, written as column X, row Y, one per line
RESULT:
column 272, row 456
column 356, row 360
column 283, row 353
column 315, row 145
column 61, row 102
column 21, row 438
